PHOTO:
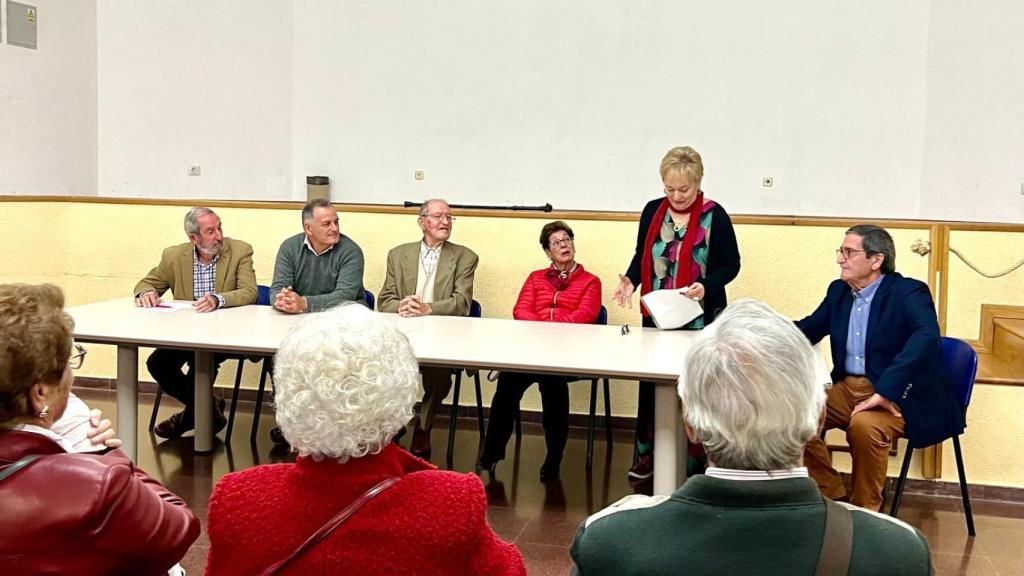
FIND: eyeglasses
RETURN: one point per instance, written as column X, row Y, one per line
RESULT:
column 77, row 358
column 440, row 217
column 847, row 253
column 560, row 242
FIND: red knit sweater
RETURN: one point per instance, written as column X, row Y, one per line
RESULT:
column 430, row 522
column 578, row 303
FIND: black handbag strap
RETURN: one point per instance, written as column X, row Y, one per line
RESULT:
column 10, row 469
column 331, row 524
column 837, row 542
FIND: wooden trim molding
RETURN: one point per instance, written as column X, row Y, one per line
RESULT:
column 599, row 215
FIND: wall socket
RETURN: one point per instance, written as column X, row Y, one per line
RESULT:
column 767, row 181
column 195, row 170
column 418, row 174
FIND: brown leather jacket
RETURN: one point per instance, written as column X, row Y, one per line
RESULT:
column 86, row 513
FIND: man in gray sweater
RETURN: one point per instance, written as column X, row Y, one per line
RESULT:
column 750, row 396
column 316, row 269
column 319, row 267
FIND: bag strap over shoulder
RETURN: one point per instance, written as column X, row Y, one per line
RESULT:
column 331, row 524
column 12, row 468
column 837, row 542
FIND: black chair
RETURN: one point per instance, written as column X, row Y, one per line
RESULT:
column 475, row 311
column 961, row 362
column 268, row 370
column 602, row 319
column 262, row 299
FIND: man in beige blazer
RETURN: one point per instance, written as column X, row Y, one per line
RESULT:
column 432, row 276
column 213, row 271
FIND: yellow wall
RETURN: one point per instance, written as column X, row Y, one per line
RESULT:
column 99, row 251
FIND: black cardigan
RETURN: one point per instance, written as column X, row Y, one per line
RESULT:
column 723, row 257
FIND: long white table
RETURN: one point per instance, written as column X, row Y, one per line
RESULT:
column 483, row 343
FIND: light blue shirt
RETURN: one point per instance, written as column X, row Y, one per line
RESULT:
column 856, row 334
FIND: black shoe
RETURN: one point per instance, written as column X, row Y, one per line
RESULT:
column 175, row 426
column 219, row 420
column 486, row 464
column 549, row 470
column 276, row 436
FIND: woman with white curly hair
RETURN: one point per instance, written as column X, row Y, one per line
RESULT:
column 353, row 502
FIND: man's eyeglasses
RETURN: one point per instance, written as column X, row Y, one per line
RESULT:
column 560, row 242
column 847, row 253
column 77, row 357
column 440, row 217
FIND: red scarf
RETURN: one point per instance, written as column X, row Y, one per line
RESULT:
column 684, row 262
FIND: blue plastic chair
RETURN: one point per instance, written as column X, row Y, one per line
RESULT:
column 475, row 311
column 961, row 362
column 602, row 320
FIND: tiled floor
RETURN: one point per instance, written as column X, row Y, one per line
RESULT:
column 541, row 519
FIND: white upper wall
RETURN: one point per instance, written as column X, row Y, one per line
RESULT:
column 48, row 103
column 532, row 101
column 191, row 83
column 974, row 145
column 877, row 109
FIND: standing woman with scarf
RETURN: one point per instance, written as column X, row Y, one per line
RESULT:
column 561, row 292
column 685, row 240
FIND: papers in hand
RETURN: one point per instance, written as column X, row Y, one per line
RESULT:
column 671, row 308
column 821, row 371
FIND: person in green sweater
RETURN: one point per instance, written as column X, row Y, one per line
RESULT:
column 316, row 269
column 319, row 267
column 750, row 396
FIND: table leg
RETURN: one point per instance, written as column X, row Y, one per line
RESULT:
column 669, row 470
column 128, row 400
column 204, row 404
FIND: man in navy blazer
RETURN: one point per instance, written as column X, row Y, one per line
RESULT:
column 888, row 375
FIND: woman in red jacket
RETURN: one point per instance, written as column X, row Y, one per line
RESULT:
column 346, row 380
column 65, row 512
column 562, row 292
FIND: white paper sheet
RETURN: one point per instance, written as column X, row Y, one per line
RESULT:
column 169, row 306
column 821, row 373
column 670, row 308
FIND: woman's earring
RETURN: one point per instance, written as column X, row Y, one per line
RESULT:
column 44, row 412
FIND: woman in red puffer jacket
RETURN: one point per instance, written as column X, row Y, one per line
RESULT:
column 562, row 292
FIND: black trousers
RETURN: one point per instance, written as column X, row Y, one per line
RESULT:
column 165, row 366
column 554, row 394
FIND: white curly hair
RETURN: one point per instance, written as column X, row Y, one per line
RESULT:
column 749, row 390
column 346, row 380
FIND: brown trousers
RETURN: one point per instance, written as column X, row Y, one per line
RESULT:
column 437, row 382
column 869, row 434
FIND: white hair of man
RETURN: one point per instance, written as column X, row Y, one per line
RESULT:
column 749, row 390
column 192, row 219
column 346, row 380
column 425, row 207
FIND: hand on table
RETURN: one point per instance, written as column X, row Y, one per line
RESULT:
column 148, row 299
column 413, row 305
column 207, row 303
column 289, row 301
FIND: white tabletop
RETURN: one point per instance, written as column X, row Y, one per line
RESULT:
column 552, row 348
column 543, row 347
